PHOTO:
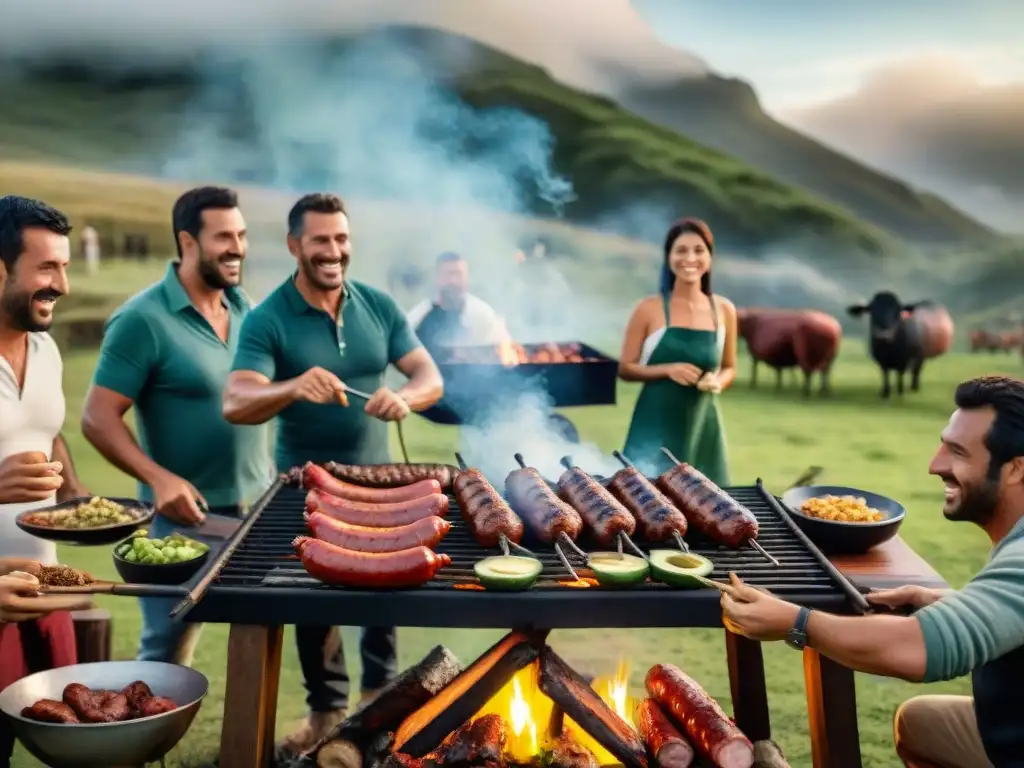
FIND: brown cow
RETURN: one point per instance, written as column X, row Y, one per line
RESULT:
column 788, row 338
column 992, row 341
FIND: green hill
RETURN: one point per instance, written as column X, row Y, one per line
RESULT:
column 615, row 159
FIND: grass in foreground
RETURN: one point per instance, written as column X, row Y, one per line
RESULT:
column 860, row 441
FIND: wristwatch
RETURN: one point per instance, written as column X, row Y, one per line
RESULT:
column 797, row 635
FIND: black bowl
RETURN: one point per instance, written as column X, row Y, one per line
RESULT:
column 165, row 573
column 835, row 537
column 107, row 534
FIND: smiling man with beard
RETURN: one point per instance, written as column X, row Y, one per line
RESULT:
column 977, row 630
column 35, row 466
column 316, row 333
column 167, row 353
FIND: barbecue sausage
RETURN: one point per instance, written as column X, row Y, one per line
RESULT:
column 393, row 475
column 343, row 567
column 96, row 706
column 156, row 705
column 546, row 515
column 661, row 737
column 709, row 729
column 51, row 711
column 486, row 513
column 656, row 517
column 601, row 511
column 314, row 476
column 377, row 515
column 425, row 532
column 707, row 507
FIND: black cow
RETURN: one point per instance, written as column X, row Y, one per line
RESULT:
column 897, row 338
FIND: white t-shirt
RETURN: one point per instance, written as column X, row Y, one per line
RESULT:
column 31, row 417
column 482, row 324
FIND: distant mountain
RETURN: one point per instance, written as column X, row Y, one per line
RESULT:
column 725, row 113
column 784, row 188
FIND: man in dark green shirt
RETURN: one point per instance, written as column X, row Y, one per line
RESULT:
column 315, row 334
column 977, row 630
column 167, row 353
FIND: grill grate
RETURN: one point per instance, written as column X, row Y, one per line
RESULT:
column 265, row 571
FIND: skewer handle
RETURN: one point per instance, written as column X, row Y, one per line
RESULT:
column 520, row 460
column 566, row 461
column 764, row 552
column 503, row 543
column 671, row 456
column 462, row 462
column 623, row 460
column 572, row 545
column 681, row 542
column 565, row 563
column 629, row 543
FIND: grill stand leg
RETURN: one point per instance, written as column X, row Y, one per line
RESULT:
column 747, row 686
column 832, row 711
column 250, row 698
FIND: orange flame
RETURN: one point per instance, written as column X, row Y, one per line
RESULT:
column 528, row 713
column 614, row 691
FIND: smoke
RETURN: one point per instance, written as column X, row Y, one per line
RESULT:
column 523, row 426
column 588, row 43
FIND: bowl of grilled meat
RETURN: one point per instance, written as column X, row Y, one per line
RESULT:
column 88, row 520
column 104, row 714
column 843, row 520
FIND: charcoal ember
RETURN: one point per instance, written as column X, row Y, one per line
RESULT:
column 567, row 752
column 481, row 741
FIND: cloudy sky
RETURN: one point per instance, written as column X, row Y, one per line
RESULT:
column 932, row 90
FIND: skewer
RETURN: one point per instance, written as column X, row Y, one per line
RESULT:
column 754, row 543
column 503, row 541
column 680, row 541
column 566, row 461
column 629, row 543
column 562, row 536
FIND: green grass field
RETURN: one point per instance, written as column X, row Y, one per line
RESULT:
column 860, row 441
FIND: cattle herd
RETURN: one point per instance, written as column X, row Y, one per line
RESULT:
column 997, row 341
column 901, row 337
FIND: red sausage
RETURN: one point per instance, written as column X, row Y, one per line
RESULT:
column 316, row 477
column 377, row 515
column 662, row 738
column 425, row 532
column 709, row 729
column 343, row 567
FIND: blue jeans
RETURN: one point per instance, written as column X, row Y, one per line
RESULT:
column 324, row 673
column 164, row 639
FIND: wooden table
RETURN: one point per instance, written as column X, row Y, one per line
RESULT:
column 254, row 666
column 831, row 693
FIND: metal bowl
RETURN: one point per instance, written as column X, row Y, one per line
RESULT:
column 102, row 745
column 106, row 534
column 836, row 537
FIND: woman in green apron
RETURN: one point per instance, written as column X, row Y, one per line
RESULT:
column 681, row 343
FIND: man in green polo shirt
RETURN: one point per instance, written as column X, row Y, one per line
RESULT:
column 315, row 334
column 167, row 353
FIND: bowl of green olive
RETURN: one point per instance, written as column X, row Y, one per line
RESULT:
column 173, row 559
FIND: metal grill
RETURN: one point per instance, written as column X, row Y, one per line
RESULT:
column 263, row 581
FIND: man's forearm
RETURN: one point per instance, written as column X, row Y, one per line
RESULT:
column 880, row 645
column 109, row 435
column 72, row 486
column 254, row 402
column 423, row 389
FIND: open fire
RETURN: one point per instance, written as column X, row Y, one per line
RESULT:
column 520, row 705
column 511, row 353
column 535, row 723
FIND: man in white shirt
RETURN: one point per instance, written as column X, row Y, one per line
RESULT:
column 35, row 466
column 455, row 317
